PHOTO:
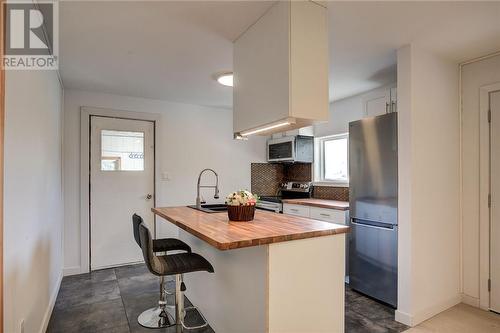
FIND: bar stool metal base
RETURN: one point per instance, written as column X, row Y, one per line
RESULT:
column 154, row 318
column 171, row 306
column 158, row 317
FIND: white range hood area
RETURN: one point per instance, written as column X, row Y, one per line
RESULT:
column 281, row 70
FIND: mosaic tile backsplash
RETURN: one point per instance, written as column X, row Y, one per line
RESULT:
column 331, row 193
column 298, row 172
column 266, row 178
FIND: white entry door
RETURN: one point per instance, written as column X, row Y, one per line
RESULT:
column 495, row 202
column 121, row 184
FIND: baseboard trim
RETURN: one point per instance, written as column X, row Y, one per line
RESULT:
column 472, row 301
column 52, row 303
column 72, row 270
column 436, row 309
column 118, row 265
column 403, row 318
column 421, row 316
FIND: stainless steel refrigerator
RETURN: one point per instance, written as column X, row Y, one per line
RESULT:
column 373, row 196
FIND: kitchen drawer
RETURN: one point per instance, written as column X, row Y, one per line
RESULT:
column 328, row 215
column 298, row 210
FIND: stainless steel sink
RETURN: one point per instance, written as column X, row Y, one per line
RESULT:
column 211, row 208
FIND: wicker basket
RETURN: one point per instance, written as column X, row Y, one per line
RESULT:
column 241, row 213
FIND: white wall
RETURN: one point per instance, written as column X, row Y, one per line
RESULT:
column 33, row 224
column 474, row 76
column 343, row 111
column 429, row 181
column 405, row 181
column 192, row 138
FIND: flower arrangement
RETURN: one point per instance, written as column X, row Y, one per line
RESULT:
column 241, row 206
column 241, row 198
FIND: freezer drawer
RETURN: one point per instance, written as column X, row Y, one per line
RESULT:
column 373, row 260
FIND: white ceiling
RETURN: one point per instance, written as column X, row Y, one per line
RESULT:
column 160, row 50
column 171, row 50
column 364, row 37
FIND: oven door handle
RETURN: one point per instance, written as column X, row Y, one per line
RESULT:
column 269, row 209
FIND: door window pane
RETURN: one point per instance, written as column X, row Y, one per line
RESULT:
column 122, row 151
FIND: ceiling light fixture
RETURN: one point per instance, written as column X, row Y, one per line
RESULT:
column 226, row 79
column 238, row 136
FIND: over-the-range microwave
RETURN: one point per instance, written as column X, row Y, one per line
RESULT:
column 289, row 149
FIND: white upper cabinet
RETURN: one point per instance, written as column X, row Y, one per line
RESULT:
column 281, row 69
column 381, row 102
column 394, row 100
column 377, row 106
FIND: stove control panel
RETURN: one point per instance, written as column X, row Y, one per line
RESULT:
column 296, row 186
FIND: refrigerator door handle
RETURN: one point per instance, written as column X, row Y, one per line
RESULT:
column 370, row 224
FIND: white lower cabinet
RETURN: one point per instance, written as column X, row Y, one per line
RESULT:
column 328, row 215
column 297, row 210
column 322, row 214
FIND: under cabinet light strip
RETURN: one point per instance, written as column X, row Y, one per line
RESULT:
column 263, row 129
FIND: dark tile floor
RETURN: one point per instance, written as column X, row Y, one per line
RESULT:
column 110, row 301
column 362, row 315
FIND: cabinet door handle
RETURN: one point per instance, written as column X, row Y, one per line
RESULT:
column 386, row 107
column 294, row 209
column 325, row 215
column 393, row 106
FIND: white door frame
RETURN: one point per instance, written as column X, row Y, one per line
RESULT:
column 484, row 190
column 85, row 114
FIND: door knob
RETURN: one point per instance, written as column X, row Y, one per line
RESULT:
column 149, row 196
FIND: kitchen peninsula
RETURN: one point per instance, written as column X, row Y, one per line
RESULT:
column 277, row 273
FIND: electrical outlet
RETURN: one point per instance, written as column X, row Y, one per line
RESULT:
column 21, row 326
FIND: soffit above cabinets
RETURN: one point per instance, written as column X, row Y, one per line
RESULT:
column 281, row 70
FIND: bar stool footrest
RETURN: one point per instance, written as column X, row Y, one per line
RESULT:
column 194, row 308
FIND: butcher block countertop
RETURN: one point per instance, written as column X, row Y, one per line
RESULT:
column 266, row 228
column 322, row 203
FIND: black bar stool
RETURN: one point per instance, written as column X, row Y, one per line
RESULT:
column 173, row 264
column 155, row 317
column 159, row 245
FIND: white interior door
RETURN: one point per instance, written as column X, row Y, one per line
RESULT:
column 495, row 202
column 121, row 184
